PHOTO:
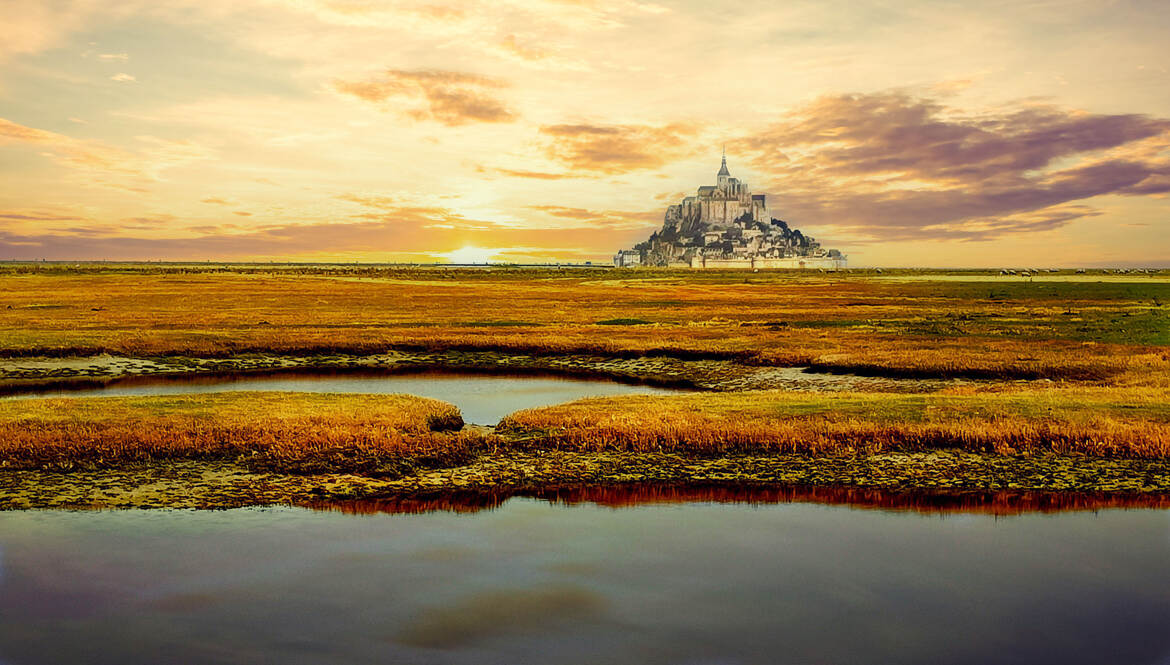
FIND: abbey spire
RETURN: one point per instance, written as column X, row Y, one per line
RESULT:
column 723, row 179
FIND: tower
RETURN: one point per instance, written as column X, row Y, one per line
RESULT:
column 723, row 174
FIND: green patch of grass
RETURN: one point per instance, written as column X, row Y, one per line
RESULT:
column 827, row 323
column 1073, row 291
column 624, row 322
column 1136, row 326
column 500, row 324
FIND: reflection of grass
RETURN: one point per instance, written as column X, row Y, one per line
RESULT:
column 1077, row 330
column 1102, row 422
column 624, row 495
column 289, row 432
column 489, row 614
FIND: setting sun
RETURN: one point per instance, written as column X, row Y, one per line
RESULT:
column 470, row 254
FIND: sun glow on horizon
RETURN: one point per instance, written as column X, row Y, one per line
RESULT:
column 470, row 254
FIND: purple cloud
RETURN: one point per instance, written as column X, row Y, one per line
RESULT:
column 893, row 166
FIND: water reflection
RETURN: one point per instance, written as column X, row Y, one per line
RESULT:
column 998, row 503
column 514, row 613
column 534, row 582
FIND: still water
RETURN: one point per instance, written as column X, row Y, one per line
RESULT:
column 483, row 399
column 531, row 581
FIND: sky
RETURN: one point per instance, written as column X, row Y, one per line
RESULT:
column 904, row 133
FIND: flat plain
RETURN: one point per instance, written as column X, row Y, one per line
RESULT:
column 967, row 380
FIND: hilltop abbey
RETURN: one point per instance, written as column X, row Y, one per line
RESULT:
column 726, row 226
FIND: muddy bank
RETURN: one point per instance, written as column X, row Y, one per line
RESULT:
column 228, row 485
column 22, row 375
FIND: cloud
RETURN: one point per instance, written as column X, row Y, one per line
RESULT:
column 562, row 211
column 378, row 14
column 216, row 201
column 158, row 154
column 893, row 166
column 587, row 15
column 32, row 27
column 88, row 155
column 122, row 57
column 102, row 164
column 525, row 52
column 123, row 77
column 450, row 98
column 369, row 200
column 14, row 216
column 671, row 197
column 614, row 149
column 536, row 175
column 604, row 219
column 512, row 45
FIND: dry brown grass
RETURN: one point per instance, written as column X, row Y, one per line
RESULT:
column 288, row 432
column 1092, row 332
column 1097, row 422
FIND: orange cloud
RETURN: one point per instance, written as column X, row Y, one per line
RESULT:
column 104, row 164
column 604, row 219
column 511, row 45
column 536, row 175
column 450, row 98
column 15, row 216
column 71, row 151
column 440, row 12
column 614, row 149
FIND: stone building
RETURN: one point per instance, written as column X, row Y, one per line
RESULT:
column 725, row 225
column 628, row 258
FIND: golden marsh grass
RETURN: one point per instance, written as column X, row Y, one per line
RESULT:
column 1079, row 330
column 1098, row 422
column 289, row 432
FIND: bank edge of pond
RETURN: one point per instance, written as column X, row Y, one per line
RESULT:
column 23, row 375
column 202, row 484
